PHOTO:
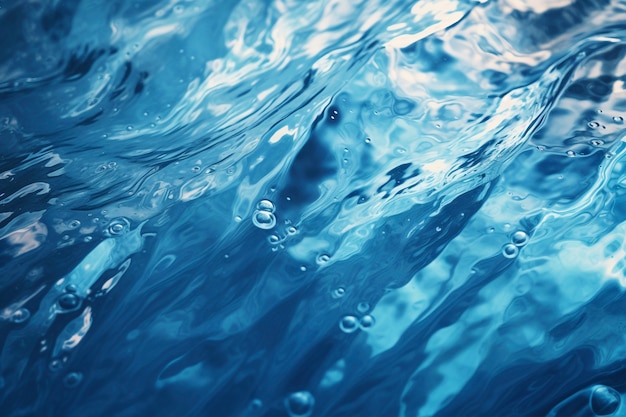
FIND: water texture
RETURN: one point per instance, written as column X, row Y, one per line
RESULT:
column 312, row 208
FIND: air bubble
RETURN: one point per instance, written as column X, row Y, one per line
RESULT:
column 618, row 119
column 348, row 324
column 604, row 400
column 363, row 307
column 74, row 224
column 69, row 302
column 266, row 205
column 300, row 404
column 593, row 125
column 264, row 219
column 323, row 258
column 519, row 238
column 72, row 379
column 20, row 315
column 339, row 292
column 118, row 226
column 510, row 250
column 303, row 268
column 597, row 142
column 366, row 322
column 273, row 239
column 291, row 230
column 571, row 154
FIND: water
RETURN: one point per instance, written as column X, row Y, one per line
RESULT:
column 320, row 208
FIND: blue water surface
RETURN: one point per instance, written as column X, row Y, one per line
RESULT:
column 312, row 208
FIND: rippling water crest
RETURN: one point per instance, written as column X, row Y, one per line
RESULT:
column 312, row 208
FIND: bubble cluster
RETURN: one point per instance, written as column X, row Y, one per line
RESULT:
column 300, row 404
column 264, row 217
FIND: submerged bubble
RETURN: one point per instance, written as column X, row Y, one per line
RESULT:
column 593, row 125
column 519, row 238
column 604, row 400
column 264, row 219
column 69, row 301
column 339, row 292
column 74, row 224
column 273, row 239
column 323, row 258
column 300, row 404
column 292, row 230
column 118, row 226
column 72, row 379
column 266, row 205
column 348, row 324
column 366, row 322
column 510, row 250
column 20, row 315
column 363, row 307
column 618, row 119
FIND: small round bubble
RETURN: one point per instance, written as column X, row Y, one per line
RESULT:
column 618, row 119
column 72, row 379
column 366, row 322
column 339, row 292
column 264, row 219
column 266, row 205
column 118, row 226
column 604, row 400
column 273, row 239
column 363, row 307
column 323, row 258
column 68, row 301
column 519, row 238
column 74, row 224
column 510, row 250
column 291, row 230
column 20, row 315
column 300, row 404
column 348, row 324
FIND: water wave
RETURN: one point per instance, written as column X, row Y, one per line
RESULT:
column 312, row 208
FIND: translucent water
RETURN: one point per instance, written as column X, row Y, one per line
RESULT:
column 312, row 208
